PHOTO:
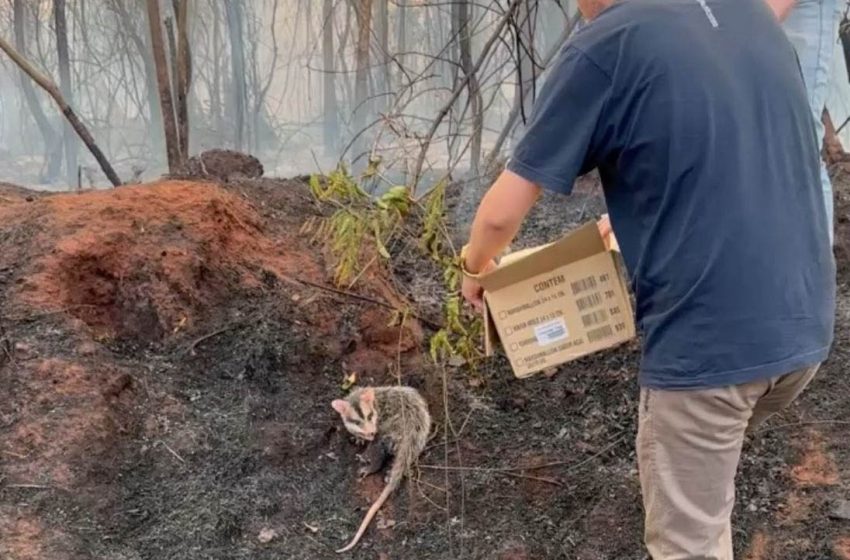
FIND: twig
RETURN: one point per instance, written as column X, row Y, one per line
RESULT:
column 576, row 466
column 446, row 455
column 362, row 271
column 34, row 487
column 179, row 458
column 15, row 455
column 36, row 316
column 439, row 444
column 233, row 325
column 367, row 299
column 4, row 343
column 797, row 424
column 345, row 293
column 398, row 348
column 429, row 485
column 529, row 477
column 504, row 470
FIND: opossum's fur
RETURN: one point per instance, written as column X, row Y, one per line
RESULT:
column 399, row 417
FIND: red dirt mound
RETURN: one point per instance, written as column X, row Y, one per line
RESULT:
column 147, row 261
column 138, row 261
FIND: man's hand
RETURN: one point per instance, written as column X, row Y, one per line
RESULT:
column 781, row 8
column 607, row 233
column 472, row 291
column 604, row 224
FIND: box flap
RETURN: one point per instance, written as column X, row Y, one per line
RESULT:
column 582, row 243
column 522, row 253
column 491, row 334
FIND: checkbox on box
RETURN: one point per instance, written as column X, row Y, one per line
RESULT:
column 514, row 347
column 503, row 314
column 509, row 331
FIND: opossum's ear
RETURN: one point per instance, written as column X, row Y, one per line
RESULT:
column 368, row 396
column 341, row 406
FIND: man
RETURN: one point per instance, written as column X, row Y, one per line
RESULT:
column 696, row 115
column 812, row 27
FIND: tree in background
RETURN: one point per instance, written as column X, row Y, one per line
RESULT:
column 52, row 148
column 173, row 95
column 363, row 11
column 237, row 66
column 69, row 137
column 329, row 102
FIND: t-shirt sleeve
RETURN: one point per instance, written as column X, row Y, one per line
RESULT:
column 563, row 138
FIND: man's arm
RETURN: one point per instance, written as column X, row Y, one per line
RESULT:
column 781, row 8
column 562, row 140
column 498, row 219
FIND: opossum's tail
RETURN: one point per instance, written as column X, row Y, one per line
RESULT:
column 404, row 457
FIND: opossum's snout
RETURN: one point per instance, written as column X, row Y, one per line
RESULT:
column 359, row 414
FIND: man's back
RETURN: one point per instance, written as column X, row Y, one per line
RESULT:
column 706, row 148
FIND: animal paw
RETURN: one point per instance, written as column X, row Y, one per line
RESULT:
column 363, row 472
column 363, row 460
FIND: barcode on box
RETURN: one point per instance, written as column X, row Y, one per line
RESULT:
column 550, row 332
column 583, row 285
column 591, row 319
column 599, row 334
column 587, row 302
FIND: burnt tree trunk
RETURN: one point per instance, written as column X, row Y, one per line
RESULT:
column 331, row 128
column 363, row 12
column 237, row 66
column 166, row 101
column 382, row 31
column 69, row 138
column 215, row 86
column 52, row 149
column 476, row 101
column 401, row 40
column 183, row 70
column 47, row 85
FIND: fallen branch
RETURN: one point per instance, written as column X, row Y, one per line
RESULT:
column 367, row 299
column 48, row 86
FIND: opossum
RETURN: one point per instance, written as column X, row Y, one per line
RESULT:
column 395, row 421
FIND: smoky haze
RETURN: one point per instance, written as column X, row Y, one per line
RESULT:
column 435, row 86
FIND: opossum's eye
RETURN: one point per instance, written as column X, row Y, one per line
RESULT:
column 371, row 415
column 356, row 421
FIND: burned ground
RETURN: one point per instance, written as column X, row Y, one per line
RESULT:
column 168, row 354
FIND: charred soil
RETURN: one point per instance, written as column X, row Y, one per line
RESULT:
column 168, row 354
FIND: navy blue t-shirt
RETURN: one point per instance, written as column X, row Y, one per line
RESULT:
column 696, row 116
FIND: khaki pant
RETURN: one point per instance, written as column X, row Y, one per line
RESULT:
column 688, row 446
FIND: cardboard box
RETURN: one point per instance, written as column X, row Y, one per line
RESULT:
column 554, row 303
